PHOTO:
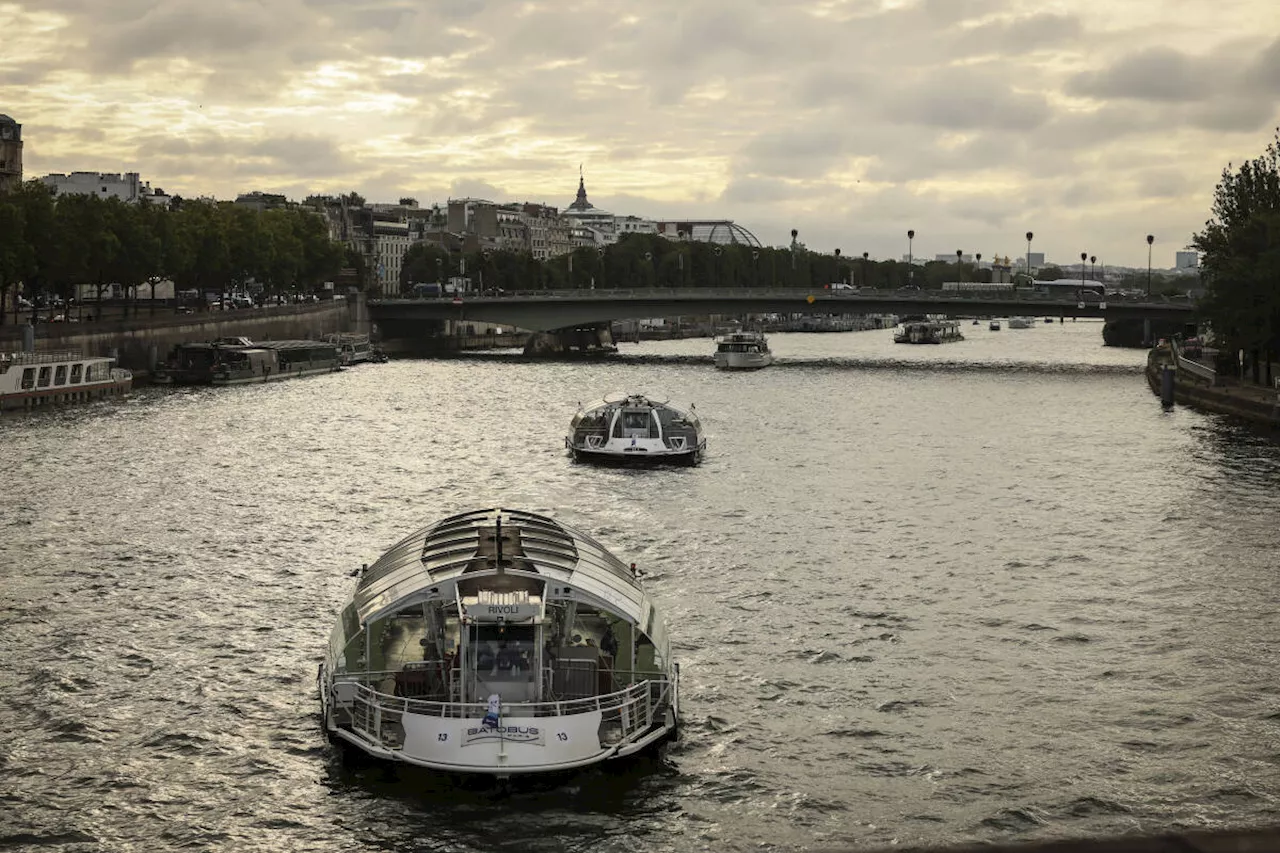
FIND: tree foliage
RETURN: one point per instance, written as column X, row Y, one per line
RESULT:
column 1240, row 258
column 52, row 245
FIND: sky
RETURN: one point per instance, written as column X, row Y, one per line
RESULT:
column 1091, row 123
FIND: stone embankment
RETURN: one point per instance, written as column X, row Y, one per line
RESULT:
column 1196, row 384
column 140, row 342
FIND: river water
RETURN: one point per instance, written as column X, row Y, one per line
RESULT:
column 983, row 590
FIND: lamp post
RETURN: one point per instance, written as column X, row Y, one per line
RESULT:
column 865, row 256
column 977, row 267
column 839, row 272
column 1093, row 268
column 959, row 271
column 1151, row 238
column 1084, row 256
column 1030, row 276
column 911, row 267
column 794, row 234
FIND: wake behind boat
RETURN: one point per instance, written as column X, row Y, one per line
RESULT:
column 743, row 351
column 499, row 642
column 633, row 428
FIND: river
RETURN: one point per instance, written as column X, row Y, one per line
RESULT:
column 985, row 590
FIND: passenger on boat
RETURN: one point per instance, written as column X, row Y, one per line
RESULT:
column 609, row 642
column 509, row 659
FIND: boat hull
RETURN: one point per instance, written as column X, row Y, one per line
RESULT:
column 41, row 397
column 642, row 457
column 387, row 727
column 743, row 360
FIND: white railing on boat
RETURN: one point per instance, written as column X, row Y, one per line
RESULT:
column 625, row 714
column 41, row 357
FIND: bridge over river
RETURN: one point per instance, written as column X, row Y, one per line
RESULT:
column 572, row 315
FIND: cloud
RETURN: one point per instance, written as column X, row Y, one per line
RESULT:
column 850, row 119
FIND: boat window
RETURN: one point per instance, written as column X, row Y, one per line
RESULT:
column 504, row 651
column 635, row 420
column 29, row 377
column 76, row 371
column 46, row 375
column 60, row 375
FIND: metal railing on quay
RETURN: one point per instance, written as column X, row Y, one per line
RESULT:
column 697, row 293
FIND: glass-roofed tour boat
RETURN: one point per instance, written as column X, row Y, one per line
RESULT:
column 634, row 428
column 499, row 642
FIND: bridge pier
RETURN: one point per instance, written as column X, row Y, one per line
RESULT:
column 594, row 339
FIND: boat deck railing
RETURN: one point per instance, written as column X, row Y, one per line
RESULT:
column 41, row 357
column 625, row 714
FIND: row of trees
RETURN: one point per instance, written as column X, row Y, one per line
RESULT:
column 53, row 245
column 1240, row 262
column 647, row 260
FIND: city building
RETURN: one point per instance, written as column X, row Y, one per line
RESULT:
column 262, row 201
column 721, row 231
column 1186, row 260
column 1036, row 259
column 128, row 187
column 589, row 221
column 10, row 153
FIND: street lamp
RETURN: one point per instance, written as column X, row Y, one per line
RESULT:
column 959, row 271
column 839, row 274
column 1151, row 238
column 865, row 255
column 1093, row 269
column 1084, row 256
column 911, row 269
column 794, row 234
column 1030, row 276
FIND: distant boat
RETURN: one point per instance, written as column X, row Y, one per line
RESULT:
column 236, row 361
column 743, row 351
column 1020, row 323
column 34, row 379
column 928, row 332
column 634, row 429
column 994, row 326
column 352, row 348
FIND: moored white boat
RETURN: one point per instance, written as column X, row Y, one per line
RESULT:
column 1021, row 322
column 352, row 348
column 632, row 428
column 743, row 351
column 499, row 642
column 33, row 379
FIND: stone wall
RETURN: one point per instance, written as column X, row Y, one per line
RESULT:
column 140, row 341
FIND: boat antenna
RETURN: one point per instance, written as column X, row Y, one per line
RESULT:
column 498, row 538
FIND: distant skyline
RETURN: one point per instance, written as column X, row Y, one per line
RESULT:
column 1090, row 123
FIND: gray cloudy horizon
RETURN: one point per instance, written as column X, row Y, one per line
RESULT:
column 1090, row 123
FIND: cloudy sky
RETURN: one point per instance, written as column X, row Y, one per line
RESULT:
column 1090, row 122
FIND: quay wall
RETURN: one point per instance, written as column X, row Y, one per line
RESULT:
column 138, row 342
column 1255, row 403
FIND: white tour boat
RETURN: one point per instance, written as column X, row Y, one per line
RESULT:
column 743, row 351
column 499, row 642
column 994, row 325
column 633, row 428
column 940, row 331
column 1021, row 322
column 352, row 348
column 32, row 379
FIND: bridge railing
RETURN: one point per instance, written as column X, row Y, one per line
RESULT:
column 699, row 293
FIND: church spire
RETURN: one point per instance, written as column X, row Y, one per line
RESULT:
column 581, row 203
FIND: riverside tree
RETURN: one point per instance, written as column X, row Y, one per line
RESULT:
column 1240, row 262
